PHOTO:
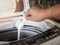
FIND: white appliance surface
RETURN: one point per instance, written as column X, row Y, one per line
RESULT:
column 55, row 41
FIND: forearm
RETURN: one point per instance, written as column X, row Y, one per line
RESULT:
column 53, row 12
column 39, row 14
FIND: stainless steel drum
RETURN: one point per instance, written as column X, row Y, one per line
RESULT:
column 9, row 36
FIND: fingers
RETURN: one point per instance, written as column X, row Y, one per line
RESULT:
column 28, row 15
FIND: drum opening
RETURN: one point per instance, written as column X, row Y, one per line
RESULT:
column 12, row 35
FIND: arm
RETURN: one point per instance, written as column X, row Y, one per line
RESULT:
column 54, row 12
column 39, row 14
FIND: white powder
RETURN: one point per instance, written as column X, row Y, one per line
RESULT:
column 18, row 34
column 19, row 23
column 19, row 28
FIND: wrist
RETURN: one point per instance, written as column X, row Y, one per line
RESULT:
column 46, row 14
column 49, row 14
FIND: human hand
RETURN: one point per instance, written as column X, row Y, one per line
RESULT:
column 36, row 14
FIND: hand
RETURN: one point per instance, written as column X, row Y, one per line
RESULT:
column 36, row 14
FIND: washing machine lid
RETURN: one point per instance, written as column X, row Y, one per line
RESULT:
column 9, row 13
column 7, row 7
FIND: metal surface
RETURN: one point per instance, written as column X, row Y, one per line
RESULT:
column 33, row 34
column 54, row 41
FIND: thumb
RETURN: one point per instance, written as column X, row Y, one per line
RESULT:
column 28, row 14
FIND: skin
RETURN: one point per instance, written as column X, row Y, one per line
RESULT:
column 39, row 14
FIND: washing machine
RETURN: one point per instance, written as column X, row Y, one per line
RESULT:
column 46, row 32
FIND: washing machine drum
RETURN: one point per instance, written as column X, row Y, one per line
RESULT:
column 26, row 35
